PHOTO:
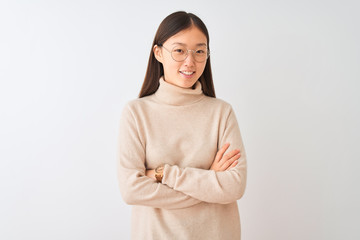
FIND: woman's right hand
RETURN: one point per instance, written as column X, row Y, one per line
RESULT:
column 224, row 162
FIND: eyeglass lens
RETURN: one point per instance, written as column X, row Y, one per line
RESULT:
column 180, row 53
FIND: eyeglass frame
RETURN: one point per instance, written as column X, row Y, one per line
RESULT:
column 187, row 53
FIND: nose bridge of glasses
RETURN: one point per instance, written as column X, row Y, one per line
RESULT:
column 193, row 55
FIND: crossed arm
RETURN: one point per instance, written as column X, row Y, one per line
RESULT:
column 222, row 161
column 223, row 183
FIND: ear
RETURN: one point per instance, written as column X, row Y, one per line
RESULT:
column 158, row 53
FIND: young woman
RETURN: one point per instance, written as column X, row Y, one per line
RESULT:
column 176, row 165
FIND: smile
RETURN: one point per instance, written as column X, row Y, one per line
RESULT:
column 187, row 73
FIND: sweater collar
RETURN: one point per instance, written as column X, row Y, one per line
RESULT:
column 175, row 95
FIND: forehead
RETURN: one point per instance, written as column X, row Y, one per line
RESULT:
column 188, row 37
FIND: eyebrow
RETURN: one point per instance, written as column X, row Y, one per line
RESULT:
column 199, row 44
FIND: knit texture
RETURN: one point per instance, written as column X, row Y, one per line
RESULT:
column 183, row 129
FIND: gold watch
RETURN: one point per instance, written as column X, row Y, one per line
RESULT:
column 159, row 173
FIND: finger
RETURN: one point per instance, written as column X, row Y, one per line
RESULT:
column 221, row 152
column 230, row 161
column 233, row 164
column 229, row 155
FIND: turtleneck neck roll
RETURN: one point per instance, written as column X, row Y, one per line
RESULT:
column 178, row 96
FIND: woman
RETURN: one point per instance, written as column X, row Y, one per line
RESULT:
column 175, row 162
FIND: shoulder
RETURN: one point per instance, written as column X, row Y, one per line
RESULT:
column 219, row 108
column 135, row 106
column 218, row 103
column 138, row 102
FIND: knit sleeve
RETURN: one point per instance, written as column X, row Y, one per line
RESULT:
column 135, row 187
column 208, row 185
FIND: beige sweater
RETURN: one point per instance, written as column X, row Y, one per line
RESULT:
column 183, row 129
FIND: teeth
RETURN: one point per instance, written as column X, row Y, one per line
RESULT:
column 187, row 73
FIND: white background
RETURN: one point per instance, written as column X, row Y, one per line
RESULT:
column 290, row 69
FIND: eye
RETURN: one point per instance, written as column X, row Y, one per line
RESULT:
column 178, row 50
column 200, row 52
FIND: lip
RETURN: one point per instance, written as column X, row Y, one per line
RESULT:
column 187, row 76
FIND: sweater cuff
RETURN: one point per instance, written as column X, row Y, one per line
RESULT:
column 167, row 175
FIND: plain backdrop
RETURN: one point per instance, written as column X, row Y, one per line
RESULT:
column 290, row 69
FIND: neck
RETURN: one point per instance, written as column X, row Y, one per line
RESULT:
column 178, row 96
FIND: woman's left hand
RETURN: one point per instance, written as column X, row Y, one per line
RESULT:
column 150, row 173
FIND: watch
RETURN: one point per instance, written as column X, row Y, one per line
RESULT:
column 159, row 173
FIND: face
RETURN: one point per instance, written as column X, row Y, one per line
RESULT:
column 185, row 73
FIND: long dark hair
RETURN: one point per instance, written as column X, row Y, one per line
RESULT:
column 170, row 26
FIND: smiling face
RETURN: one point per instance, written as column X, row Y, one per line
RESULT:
column 185, row 73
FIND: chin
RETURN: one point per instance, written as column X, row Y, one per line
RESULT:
column 186, row 85
column 183, row 83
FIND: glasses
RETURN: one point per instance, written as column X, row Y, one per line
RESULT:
column 180, row 53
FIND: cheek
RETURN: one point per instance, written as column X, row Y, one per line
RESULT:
column 201, row 68
column 172, row 68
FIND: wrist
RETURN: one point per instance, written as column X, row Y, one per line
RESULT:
column 159, row 173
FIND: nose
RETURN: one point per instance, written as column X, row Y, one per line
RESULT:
column 190, row 60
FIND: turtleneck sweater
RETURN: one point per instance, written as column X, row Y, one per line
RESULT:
column 182, row 129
